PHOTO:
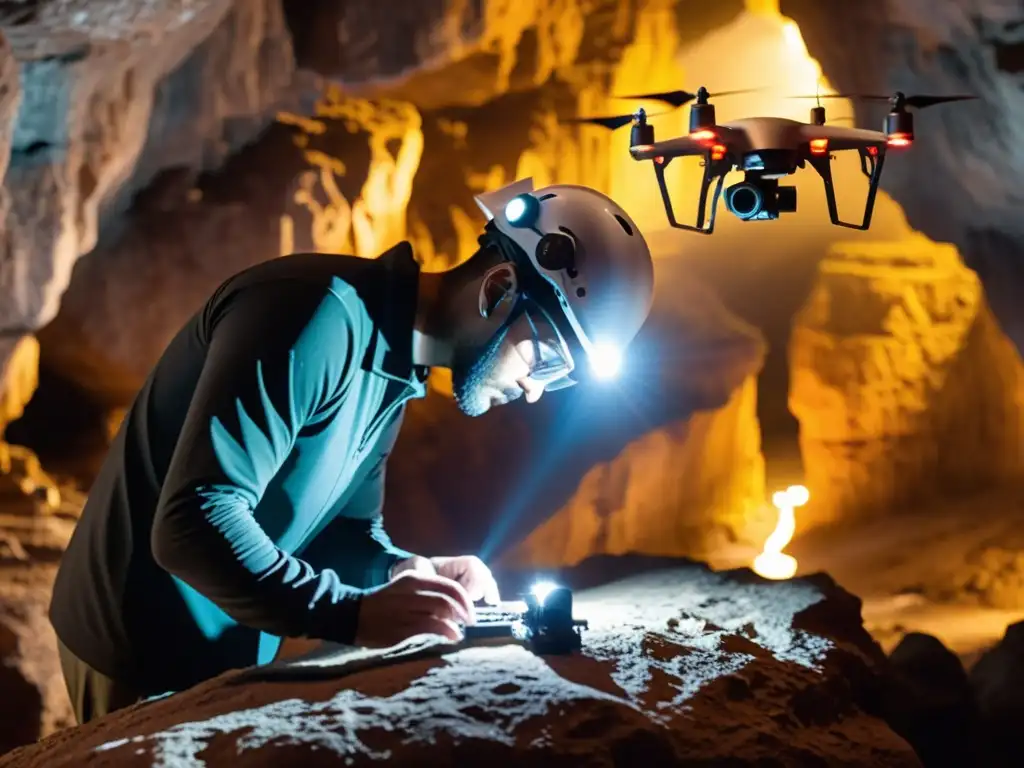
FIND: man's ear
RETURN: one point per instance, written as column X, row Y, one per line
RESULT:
column 499, row 286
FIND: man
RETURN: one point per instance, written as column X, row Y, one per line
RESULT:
column 241, row 500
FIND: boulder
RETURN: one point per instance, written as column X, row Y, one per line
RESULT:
column 680, row 666
column 998, row 682
column 904, row 386
column 931, row 703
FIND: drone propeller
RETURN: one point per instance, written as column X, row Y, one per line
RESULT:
column 611, row 122
column 917, row 101
column 681, row 98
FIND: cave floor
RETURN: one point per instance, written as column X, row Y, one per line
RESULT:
column 953, row 568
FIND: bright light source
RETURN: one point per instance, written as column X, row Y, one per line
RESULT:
column 515, row 210
column 798, row 495
column 718, row 152
column 542, row 589
column 794, row 40
column 899, row 140
column 773, row 562
column 605, row 361
column 819, row 146
column 704, row 134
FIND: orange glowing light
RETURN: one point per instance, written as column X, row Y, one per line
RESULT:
column 899, row 140
column 773, row 563
column 873, row 150
column 704, row 134
column 717, row 152
column 819, row 146
column 659, row 160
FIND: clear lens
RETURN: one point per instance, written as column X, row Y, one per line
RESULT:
column 551, row 359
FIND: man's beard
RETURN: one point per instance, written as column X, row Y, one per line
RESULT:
column 472, row 369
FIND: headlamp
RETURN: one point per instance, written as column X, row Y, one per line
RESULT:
column 605, row 361
column 522, row 211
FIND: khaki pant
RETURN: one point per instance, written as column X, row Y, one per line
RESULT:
column 92, row 693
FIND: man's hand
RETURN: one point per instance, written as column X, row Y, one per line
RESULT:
column 467, row 570
column 412, row 603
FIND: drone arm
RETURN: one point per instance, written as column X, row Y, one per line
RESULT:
column 823, row 165
column 844, row 138
column 679, row 147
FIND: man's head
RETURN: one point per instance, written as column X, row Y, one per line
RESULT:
column 562, row 283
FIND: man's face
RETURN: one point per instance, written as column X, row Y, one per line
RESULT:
column 499, row 371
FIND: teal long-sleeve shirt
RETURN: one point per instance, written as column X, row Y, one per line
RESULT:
column 241, row 499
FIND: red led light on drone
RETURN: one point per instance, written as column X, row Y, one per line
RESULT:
column 659, row 160
column 704, row 134
column 899, row 140
column 819, row 146
column 717, row 151
column 873, row 151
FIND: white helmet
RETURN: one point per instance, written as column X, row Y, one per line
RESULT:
column 593, row 256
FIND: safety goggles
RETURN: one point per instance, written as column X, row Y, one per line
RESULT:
column 552, row 361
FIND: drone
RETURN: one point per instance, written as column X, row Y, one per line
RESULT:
column 766, row 149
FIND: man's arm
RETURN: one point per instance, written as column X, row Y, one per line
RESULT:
column 279, row 357
column 355, row 544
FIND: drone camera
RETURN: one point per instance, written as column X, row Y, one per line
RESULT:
column 760, row 199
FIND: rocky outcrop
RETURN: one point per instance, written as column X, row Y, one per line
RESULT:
column 931, row 703
column 34, row 702
column 679, row 667
column 998, row 682
column 967, row 153
column 904, row 385
column 100, row 115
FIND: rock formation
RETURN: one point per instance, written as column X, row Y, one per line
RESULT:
column 679, row 667
column 997, row 680
column 904, row 386
column 34, row 702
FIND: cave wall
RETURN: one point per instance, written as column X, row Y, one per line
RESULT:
column 905, row 387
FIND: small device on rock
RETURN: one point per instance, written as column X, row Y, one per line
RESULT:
column 543, row 621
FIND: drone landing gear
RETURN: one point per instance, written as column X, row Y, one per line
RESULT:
column 712, row 169
column 871, row 161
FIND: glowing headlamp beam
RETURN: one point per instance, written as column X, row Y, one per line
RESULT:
column 605, row 361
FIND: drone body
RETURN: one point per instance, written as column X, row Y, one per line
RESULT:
column 766, row 149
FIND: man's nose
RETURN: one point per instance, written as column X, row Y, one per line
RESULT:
column 531, row 390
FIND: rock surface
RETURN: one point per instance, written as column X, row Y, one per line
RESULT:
column 998, row 682
column 680, row 667
column 34, row 702
column 904, row 386
column 931, row 702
